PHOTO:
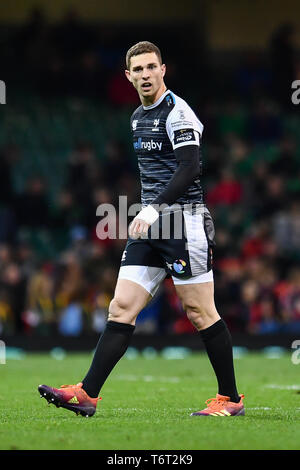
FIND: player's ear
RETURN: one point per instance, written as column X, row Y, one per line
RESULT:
column 163, row 69
column 127, row 73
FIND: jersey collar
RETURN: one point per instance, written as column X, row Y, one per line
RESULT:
column 158, row 101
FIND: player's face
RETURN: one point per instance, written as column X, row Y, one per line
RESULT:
column 147, row 76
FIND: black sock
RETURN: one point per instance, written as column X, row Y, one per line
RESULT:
column 111, row 346
column 217, row 340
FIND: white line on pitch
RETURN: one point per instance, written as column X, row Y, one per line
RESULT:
column 147, row 378
column 283, row 387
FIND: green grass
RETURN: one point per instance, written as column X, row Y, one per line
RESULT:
column 146, row 405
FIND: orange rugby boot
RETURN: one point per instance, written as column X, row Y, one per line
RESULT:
column 222, row 406
column 71, row 397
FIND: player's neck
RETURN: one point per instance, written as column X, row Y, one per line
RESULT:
column 149, row 100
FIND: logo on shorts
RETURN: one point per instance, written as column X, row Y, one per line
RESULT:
column 178, row 266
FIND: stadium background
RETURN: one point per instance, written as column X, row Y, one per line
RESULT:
column 65, row 148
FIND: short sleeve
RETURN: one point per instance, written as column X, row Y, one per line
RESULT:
column 183, row 127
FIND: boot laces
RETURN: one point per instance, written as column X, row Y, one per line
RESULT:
column 215, row 403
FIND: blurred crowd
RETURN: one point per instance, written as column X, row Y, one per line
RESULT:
column 57, row 276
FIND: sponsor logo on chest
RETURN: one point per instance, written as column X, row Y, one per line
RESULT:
column 141, row 144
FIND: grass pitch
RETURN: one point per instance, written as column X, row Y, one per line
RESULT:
column 146, row 405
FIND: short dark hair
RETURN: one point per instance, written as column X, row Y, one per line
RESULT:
column 142, row 48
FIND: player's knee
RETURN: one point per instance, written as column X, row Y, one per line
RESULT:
column 201, row 316
column 196, row 318
column 119, row 310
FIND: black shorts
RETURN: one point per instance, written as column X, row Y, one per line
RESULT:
column 179, row 244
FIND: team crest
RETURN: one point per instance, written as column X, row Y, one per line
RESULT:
column 155, row 124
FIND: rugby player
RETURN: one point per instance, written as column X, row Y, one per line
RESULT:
column 167, row 141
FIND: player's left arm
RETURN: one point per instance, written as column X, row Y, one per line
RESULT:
column 187, row 171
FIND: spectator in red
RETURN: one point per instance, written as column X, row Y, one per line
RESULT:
column 228, row 191
column 258, row 242
column 120, row 92
column 290, row 302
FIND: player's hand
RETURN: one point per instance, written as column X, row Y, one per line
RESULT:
column 138, row 228
column 140, row 225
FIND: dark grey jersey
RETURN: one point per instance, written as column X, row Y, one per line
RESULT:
column 157, row 131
